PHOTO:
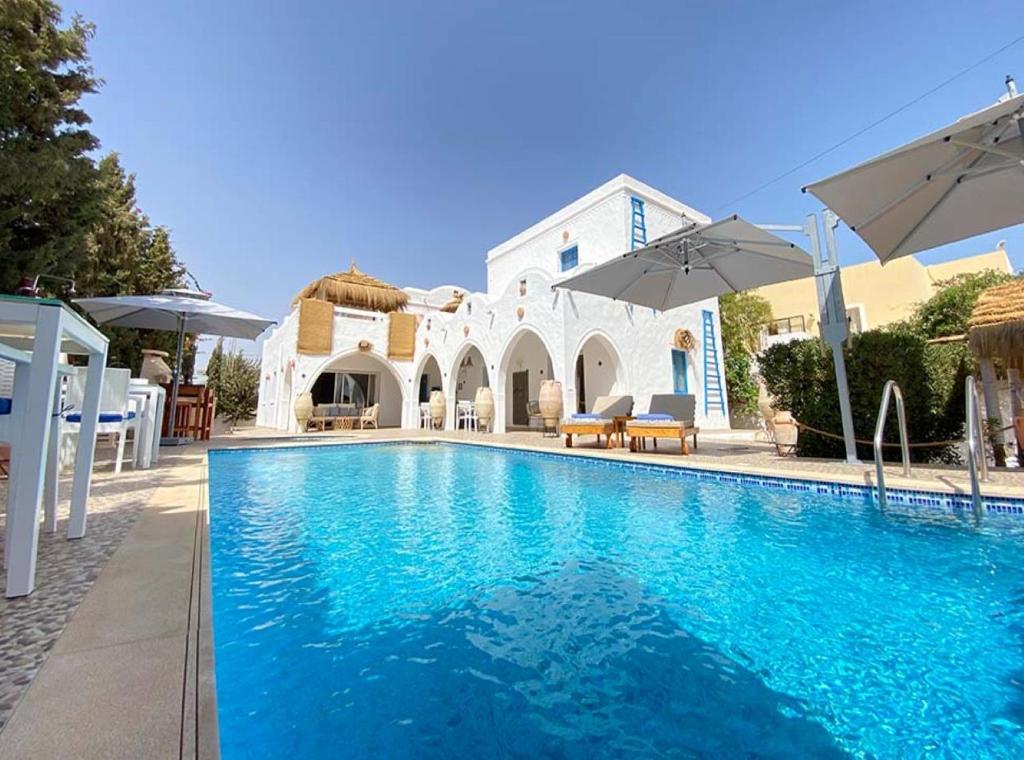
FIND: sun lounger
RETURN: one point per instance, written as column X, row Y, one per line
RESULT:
column 670, row 415
column 599, row 421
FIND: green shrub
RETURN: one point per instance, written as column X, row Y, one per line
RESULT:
column 801, row 378
column 742, row 315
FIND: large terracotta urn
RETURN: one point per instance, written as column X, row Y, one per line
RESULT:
column 786, row 433
column 303, row 410
column 437, row 407
column 550, row 402
column 484, row 403
column 154, row 368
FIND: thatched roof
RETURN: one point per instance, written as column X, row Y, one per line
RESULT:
column 996, row 327
column 453, row 305
column 355, row 289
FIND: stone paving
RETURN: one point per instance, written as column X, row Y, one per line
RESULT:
column 65, row 571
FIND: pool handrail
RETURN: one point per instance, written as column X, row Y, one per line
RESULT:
column 976, row 459
column 891, row 389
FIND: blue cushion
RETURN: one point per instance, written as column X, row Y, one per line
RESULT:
column 655, row 417
column 5, row 406
column 104, row 417
column 588, row 416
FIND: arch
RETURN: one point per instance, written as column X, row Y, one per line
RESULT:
column 513, row 339
column 423, row 368
column 599, row 370
column 512, row 287
column 536, row 360
column 390, row 392
column 465, row 349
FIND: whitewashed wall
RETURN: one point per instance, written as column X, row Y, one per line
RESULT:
column 636, row 340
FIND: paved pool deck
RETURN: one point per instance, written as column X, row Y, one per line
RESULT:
column 112, row 655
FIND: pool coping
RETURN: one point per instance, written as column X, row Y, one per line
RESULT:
column 132, row 673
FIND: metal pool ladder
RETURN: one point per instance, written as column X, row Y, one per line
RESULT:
column 890, row 389
column 975, row 445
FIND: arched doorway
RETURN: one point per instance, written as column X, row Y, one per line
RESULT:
column 598, row 371
column 429, row 379
column 526, row 364
column 357, row 380
column 470, row 372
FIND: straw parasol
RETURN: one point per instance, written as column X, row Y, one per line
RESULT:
column 453, row 305
column 996, row 326
column 355, row 289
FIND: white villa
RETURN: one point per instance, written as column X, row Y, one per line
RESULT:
column 518, row 333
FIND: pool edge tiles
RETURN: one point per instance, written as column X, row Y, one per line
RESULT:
column 953, row 502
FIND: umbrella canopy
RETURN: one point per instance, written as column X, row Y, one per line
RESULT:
column 453, row 305
column 355, row 289
column 694, row 263
column 181, row 311
column 174, row 310
column 996, row 326
column 964, row 180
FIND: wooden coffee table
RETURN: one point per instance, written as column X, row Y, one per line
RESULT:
column 620, row 421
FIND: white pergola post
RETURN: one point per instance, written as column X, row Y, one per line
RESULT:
column 993, row 409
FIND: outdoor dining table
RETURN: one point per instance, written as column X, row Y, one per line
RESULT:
column 45, row 328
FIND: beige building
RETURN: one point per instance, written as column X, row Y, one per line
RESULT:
column 875, row 295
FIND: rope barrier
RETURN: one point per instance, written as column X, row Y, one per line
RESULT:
column 861, row 441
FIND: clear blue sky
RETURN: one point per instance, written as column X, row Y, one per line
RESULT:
column 280, row 140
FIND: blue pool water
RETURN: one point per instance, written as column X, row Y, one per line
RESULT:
column 453, row 601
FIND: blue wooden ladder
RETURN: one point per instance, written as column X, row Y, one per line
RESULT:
column 638, row 227
column 713, row 398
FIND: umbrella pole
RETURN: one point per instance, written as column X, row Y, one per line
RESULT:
column 177, row 376
column 834, row 327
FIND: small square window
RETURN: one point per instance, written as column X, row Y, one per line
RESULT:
column 569, row 258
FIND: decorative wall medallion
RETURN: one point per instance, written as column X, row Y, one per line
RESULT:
column 684, row 340
column 520, row 312
column 426, row 342
column 565, row 236
column 365, row 345
column 465, row 331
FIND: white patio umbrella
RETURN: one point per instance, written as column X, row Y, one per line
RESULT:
column 963, row 180
column 694, row 263
column 181, row 311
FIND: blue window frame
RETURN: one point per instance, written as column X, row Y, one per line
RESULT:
column 569, row 258
column 679, row 383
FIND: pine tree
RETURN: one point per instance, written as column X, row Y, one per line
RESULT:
column 48, row 193
column 238, row 387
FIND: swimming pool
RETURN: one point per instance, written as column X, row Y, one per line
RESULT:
column 443, row 600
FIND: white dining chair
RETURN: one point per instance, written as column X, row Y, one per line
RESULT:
column 118, row 410
column 465, row 413
column 425, row 419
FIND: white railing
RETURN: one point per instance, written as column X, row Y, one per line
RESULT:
column 891, row 389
